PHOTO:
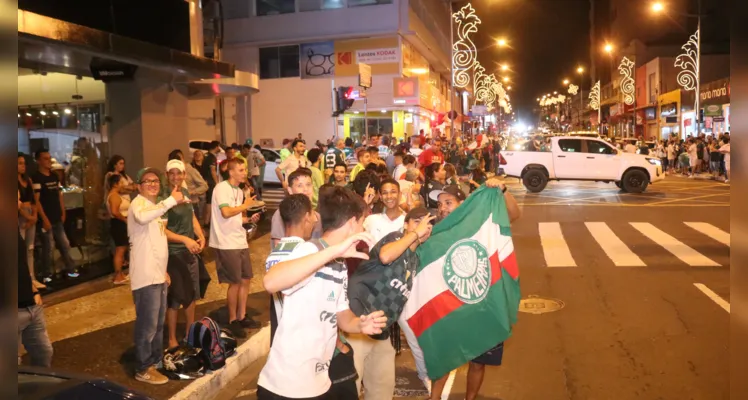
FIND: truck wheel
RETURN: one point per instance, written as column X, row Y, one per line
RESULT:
column 618, row 183
column 534, row 180
column 634, row 181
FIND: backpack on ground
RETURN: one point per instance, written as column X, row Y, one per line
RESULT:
column 206, row 335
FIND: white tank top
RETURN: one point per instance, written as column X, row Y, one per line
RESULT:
column 124, row 205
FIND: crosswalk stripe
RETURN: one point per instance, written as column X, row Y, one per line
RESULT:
column 555, row 249
column 614, row 247
column 686, row 254
column 711, row 231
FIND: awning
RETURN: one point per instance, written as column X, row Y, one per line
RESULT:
column 53, row 45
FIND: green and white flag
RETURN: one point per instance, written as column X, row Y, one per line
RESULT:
column 465, row 293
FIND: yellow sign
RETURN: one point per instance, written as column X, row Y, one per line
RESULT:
column 385, row 59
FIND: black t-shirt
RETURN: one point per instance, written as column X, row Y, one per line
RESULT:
column 209, row 163
column 27, row 193
column 25, row 292
column 48, row 187
column 375, row 286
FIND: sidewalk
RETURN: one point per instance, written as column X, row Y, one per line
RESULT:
column 93, row 334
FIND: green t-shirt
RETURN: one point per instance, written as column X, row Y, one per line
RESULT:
column 180, row 222
column 334, row 156
column 318, row 179
column 284, row 153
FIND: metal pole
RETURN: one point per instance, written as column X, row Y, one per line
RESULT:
column 452, row 70
column 581, row 99
column 698, row 73
column 366, row 116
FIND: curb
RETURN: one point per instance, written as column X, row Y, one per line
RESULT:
column 208, row 386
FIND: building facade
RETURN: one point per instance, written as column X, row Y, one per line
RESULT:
column 303, row 50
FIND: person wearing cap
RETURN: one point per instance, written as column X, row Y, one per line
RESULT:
column 149, row 255
column 186, row 242
column 383, row 282
column 50, row 208
column 228, row 238
column 449, row 199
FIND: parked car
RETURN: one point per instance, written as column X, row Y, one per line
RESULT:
column 272, row 161
column 203, row 146
column 43, row 383
column 582, row 158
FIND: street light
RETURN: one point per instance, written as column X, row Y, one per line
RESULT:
column 501, row 42
column 580, row 70
column 657, row 7
column 508, row 88
column 506, row 79
column 608, row 48
column 555, row 92
column 566, row 82
column 504, row 67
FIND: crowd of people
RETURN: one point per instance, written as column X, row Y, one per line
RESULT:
column 339, row 233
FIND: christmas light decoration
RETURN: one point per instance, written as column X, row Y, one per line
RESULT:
column 626, row 68
column 464, row 50
column 687, row 62
column 573, row 89
column 595, row 96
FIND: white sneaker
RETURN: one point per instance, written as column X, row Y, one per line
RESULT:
column 727, row 181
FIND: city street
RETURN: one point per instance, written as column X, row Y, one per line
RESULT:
column 644, row 282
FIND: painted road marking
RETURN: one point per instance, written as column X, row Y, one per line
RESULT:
column 448, row 385
column 711, row 231
column 686, row 254
column 555, row 249
column 616, row 250
column 715, row 298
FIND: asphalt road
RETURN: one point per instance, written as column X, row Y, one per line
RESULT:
column 644, row 282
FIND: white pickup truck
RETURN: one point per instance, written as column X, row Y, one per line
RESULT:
column 586, row 159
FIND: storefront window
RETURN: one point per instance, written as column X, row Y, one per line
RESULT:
column 356, row 3
column 73, row 136
column 315, row 5
column 275, row 7
column 279, row 62
column 376, row 125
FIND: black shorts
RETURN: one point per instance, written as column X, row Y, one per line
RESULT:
column 209, row 194
column 232, row 266
column 492, row 357
column 118, row 230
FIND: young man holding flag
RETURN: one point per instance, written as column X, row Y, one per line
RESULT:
column 468, row 260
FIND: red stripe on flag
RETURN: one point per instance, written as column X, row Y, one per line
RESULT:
column 509, row 264
column 446, row 302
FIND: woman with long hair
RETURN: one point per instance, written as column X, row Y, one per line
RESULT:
column 27, row 217
column 435, row 178
column 118, row 204
column 116, row 166
column 477, row 175
column 451, row 171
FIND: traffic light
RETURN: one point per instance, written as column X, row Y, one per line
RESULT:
column 344, row 99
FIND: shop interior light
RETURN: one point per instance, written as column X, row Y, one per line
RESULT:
column 55, row 113
column 419, row 71
column 42, row 113
column 68, row 111
column 28, row 114
column 384, row 111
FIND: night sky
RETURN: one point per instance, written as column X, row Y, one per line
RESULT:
column 547, row 39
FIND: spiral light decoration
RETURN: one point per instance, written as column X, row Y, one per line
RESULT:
column 573, row 89
column 595, row 96
column 626, row 68
column 686, row 61
column 463, row 49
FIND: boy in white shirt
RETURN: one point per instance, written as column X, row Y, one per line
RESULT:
column 314, row 281
column 149, row 255
column 229, row 240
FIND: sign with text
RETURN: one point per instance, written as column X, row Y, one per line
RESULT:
column 378, row 56
column 405, row 90
column 364, row 75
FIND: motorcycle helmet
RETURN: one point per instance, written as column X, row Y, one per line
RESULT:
column 182, row 363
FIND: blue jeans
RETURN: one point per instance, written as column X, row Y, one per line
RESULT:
column 29, row 235
column 150, row 311
column 55, row 236
column 32, row 332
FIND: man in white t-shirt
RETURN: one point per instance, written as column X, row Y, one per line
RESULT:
column 299, row 182
column 293, row 162
column 315, row 304
column 229, row 240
